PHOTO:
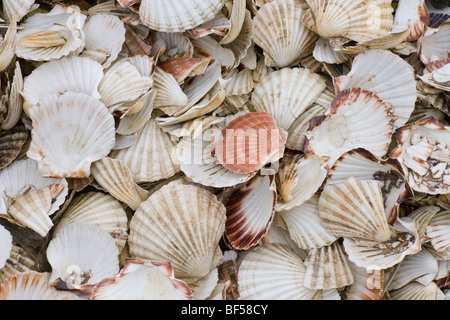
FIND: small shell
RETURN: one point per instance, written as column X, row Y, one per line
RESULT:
column 75, row 74
column 116, row 178
column 273, row 272
column 278, row 30
column 106, row 33
column 7, row 244
column 19, row 261
column 437, row 74
column 344, row 126
column 176, row 45
column 305, row 226
column 29, row 285
column 168, row 92
column 250, row 211
column 287, row 93
column 11, row 143
column 287, row 175
column 327, row 268
column 388, row 76
column 354, row 209
column 434, row 44
column 324, row 52
column 185, row 212
column 82, row 254
column 142, row 280
column 149, row 157
column 8, row 45
column 413, row 14
column 439, row 231
column 17, row 9
column 98, row 209
column 359, row 20
column 183, row 68
column 208, row 47
column 87, row 134
column 176, row 16
column 266, row 142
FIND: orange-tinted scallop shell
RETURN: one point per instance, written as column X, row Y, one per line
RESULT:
column 249, row 142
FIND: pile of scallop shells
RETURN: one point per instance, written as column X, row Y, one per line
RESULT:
column 119, row 180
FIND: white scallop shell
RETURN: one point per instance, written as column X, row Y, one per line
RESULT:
column 367, row 284
column 8, row 46
column 177, row 16
column 185, row 232
column 82, row 254
column 17, row 8
column 439, row 231
column 287, row 93
column 434, row 44
column 273, row 272
column 74, row 74
column 417, row 291
column 85, row 134
column 278, row 30
column 142, row 280
column 388, row 76
column 168, row 92
column 413, row 14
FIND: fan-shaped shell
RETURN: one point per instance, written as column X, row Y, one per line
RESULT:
column 86, row 134
column 11, row 143
column 278, row 30
column 17, row 8
column 185, row 231
column 249, row 142
column 176, row 15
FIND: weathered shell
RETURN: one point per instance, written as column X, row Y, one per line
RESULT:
column 265, row 142
column 11, row 143
column 17, row 9
column 184, row 212
column 278, row 30
column 86, row 134
column 177, row 16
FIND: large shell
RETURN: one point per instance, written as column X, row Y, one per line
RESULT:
column 142, row 280
column 185, row 232
column 341, row 22
column 287, row 93
column 75, row 74
column 278, row 30
column 250, row 211
column 98, row 209
column 388, row 76
column 354, row 209
column 250, row 141
column 86, row 134
column 82, row 254
column 273, row 272
column 176, row 15
column 344, row 126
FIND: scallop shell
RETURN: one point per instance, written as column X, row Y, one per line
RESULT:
column 424, row 155
column 324, row 52
column 22, row 175
column 75, row 74
column 354, row 209
column 439, row 231
column 344, row 126
column 82, row 254
column 363, row 165
column 208, row 47
column 183, row 68
column 287, row 176
column 149, row 158
column 287, row 40
column 327, row 268
column 437, row 74
column 177, row 16
column 413, row 14
column 116, row 178
column 367, row 284
column 105, row 33
column 388, row 76
column 29, row 285
column 98, row 209
column 358, row 20
column 11, row 143
column 273, row 272
column 15, row 102
column 142, row 280
column 287, row 93
column 19, row 261
column 305, row 226
column 17, row 9
column 421, row 267
column 186, row 231
column 87, row 134
column 311, row 175
column 244, row 157
column 434, row 44
column 7, row 244
column 417, row 291
column 250, row 210
column 168, row 92
column 8, row 46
